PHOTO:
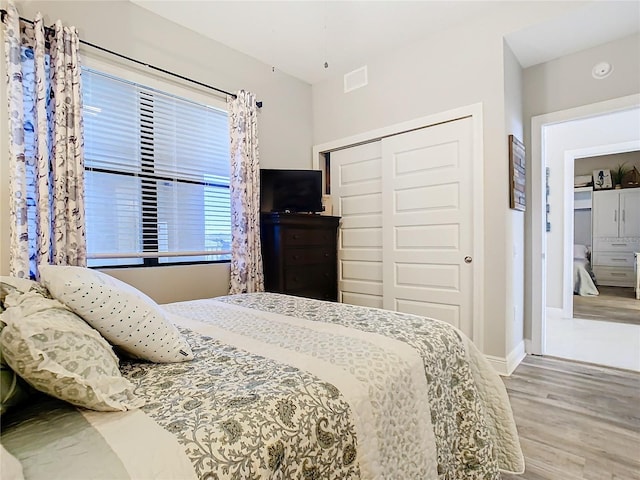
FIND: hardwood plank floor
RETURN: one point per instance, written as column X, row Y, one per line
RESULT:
column 576, row 421
column 614, row 304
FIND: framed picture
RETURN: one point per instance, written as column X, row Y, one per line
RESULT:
column 517, row 174
column 602, row 179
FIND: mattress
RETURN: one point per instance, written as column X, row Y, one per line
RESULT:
column 287, row 387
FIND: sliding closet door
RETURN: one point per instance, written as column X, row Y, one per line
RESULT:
column 356, row 196
column 427, row 222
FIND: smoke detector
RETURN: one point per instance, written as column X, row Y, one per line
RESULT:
column 601, row 70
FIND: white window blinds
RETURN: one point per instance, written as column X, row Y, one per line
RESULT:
column 157, row 175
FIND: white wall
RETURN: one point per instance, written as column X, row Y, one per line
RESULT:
column 458, row 67
column 615, row 128
column 284, row 121
column 566, row 83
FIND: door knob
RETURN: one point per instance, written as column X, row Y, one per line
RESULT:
column 468, row 259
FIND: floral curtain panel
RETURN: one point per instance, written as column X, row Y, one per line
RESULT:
column 46, row 166
column 246, row 255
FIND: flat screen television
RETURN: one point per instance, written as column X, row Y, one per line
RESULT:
column 290, row 191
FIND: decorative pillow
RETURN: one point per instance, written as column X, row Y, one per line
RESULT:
column 14, row 284
column 580, row 251
column 123, row 315
column 13, row 390
column 56, row 352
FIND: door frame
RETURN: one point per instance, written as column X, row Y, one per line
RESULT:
column 473, row 111
column 537, row 264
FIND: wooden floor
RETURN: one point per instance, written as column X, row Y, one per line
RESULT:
column 576, row 421
column 614, row 304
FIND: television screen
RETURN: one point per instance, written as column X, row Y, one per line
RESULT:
column 290, row 191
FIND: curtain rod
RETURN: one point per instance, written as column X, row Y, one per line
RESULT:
column 3, row 14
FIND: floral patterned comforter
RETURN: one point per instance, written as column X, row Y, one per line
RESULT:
column 287, row 387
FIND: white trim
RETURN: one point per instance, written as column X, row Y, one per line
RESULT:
column 537, row 263
column 506, row 366
column 554, row 312
column 198, row 253
column 567, row 254
column 527, row 345
column 475, row 112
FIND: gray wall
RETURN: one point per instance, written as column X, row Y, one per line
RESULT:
column 284, row 121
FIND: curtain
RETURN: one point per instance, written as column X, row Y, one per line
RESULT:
column 246, row 255
column 46, row 171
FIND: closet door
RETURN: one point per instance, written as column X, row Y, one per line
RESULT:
column 356, row 188
column 630, row 213
column 427, row 223
column 606, row 213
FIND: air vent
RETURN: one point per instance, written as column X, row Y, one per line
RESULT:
column 356, row 79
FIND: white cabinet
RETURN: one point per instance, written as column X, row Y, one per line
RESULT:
column 616, row 235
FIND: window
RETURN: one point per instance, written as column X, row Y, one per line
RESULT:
column 156, row 175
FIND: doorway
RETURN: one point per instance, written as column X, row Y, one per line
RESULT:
column 557, row 139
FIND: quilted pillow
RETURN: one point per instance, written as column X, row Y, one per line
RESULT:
column 57, row 353
column 22, row 285
column 580, row 251
column 123, row 315
column 13, row 390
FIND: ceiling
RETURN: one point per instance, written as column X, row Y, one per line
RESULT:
column 298, row 37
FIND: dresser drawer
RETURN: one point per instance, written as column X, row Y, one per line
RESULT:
column 616, row 244
column 612, row 259
column 293, row 237
column 301, row 278
column 616, row 277
column 308, row 256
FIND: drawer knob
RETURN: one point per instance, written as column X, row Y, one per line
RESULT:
column 326, row 254
column 295, row 236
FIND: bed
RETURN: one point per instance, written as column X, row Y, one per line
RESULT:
column 283, row 387
column 584, row 280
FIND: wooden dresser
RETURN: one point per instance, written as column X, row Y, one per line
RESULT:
column 299, row 252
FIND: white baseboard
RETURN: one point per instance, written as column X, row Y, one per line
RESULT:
column 506, row 366
column 527, row 345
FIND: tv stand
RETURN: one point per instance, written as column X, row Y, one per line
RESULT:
column 299, row 253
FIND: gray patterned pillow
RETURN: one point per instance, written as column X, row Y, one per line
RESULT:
column 13, row 284
column 58, row 353
column 13, row 390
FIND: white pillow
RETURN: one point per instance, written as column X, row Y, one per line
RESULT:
column 56, row 352
column 123, row 315
column 580, row 251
